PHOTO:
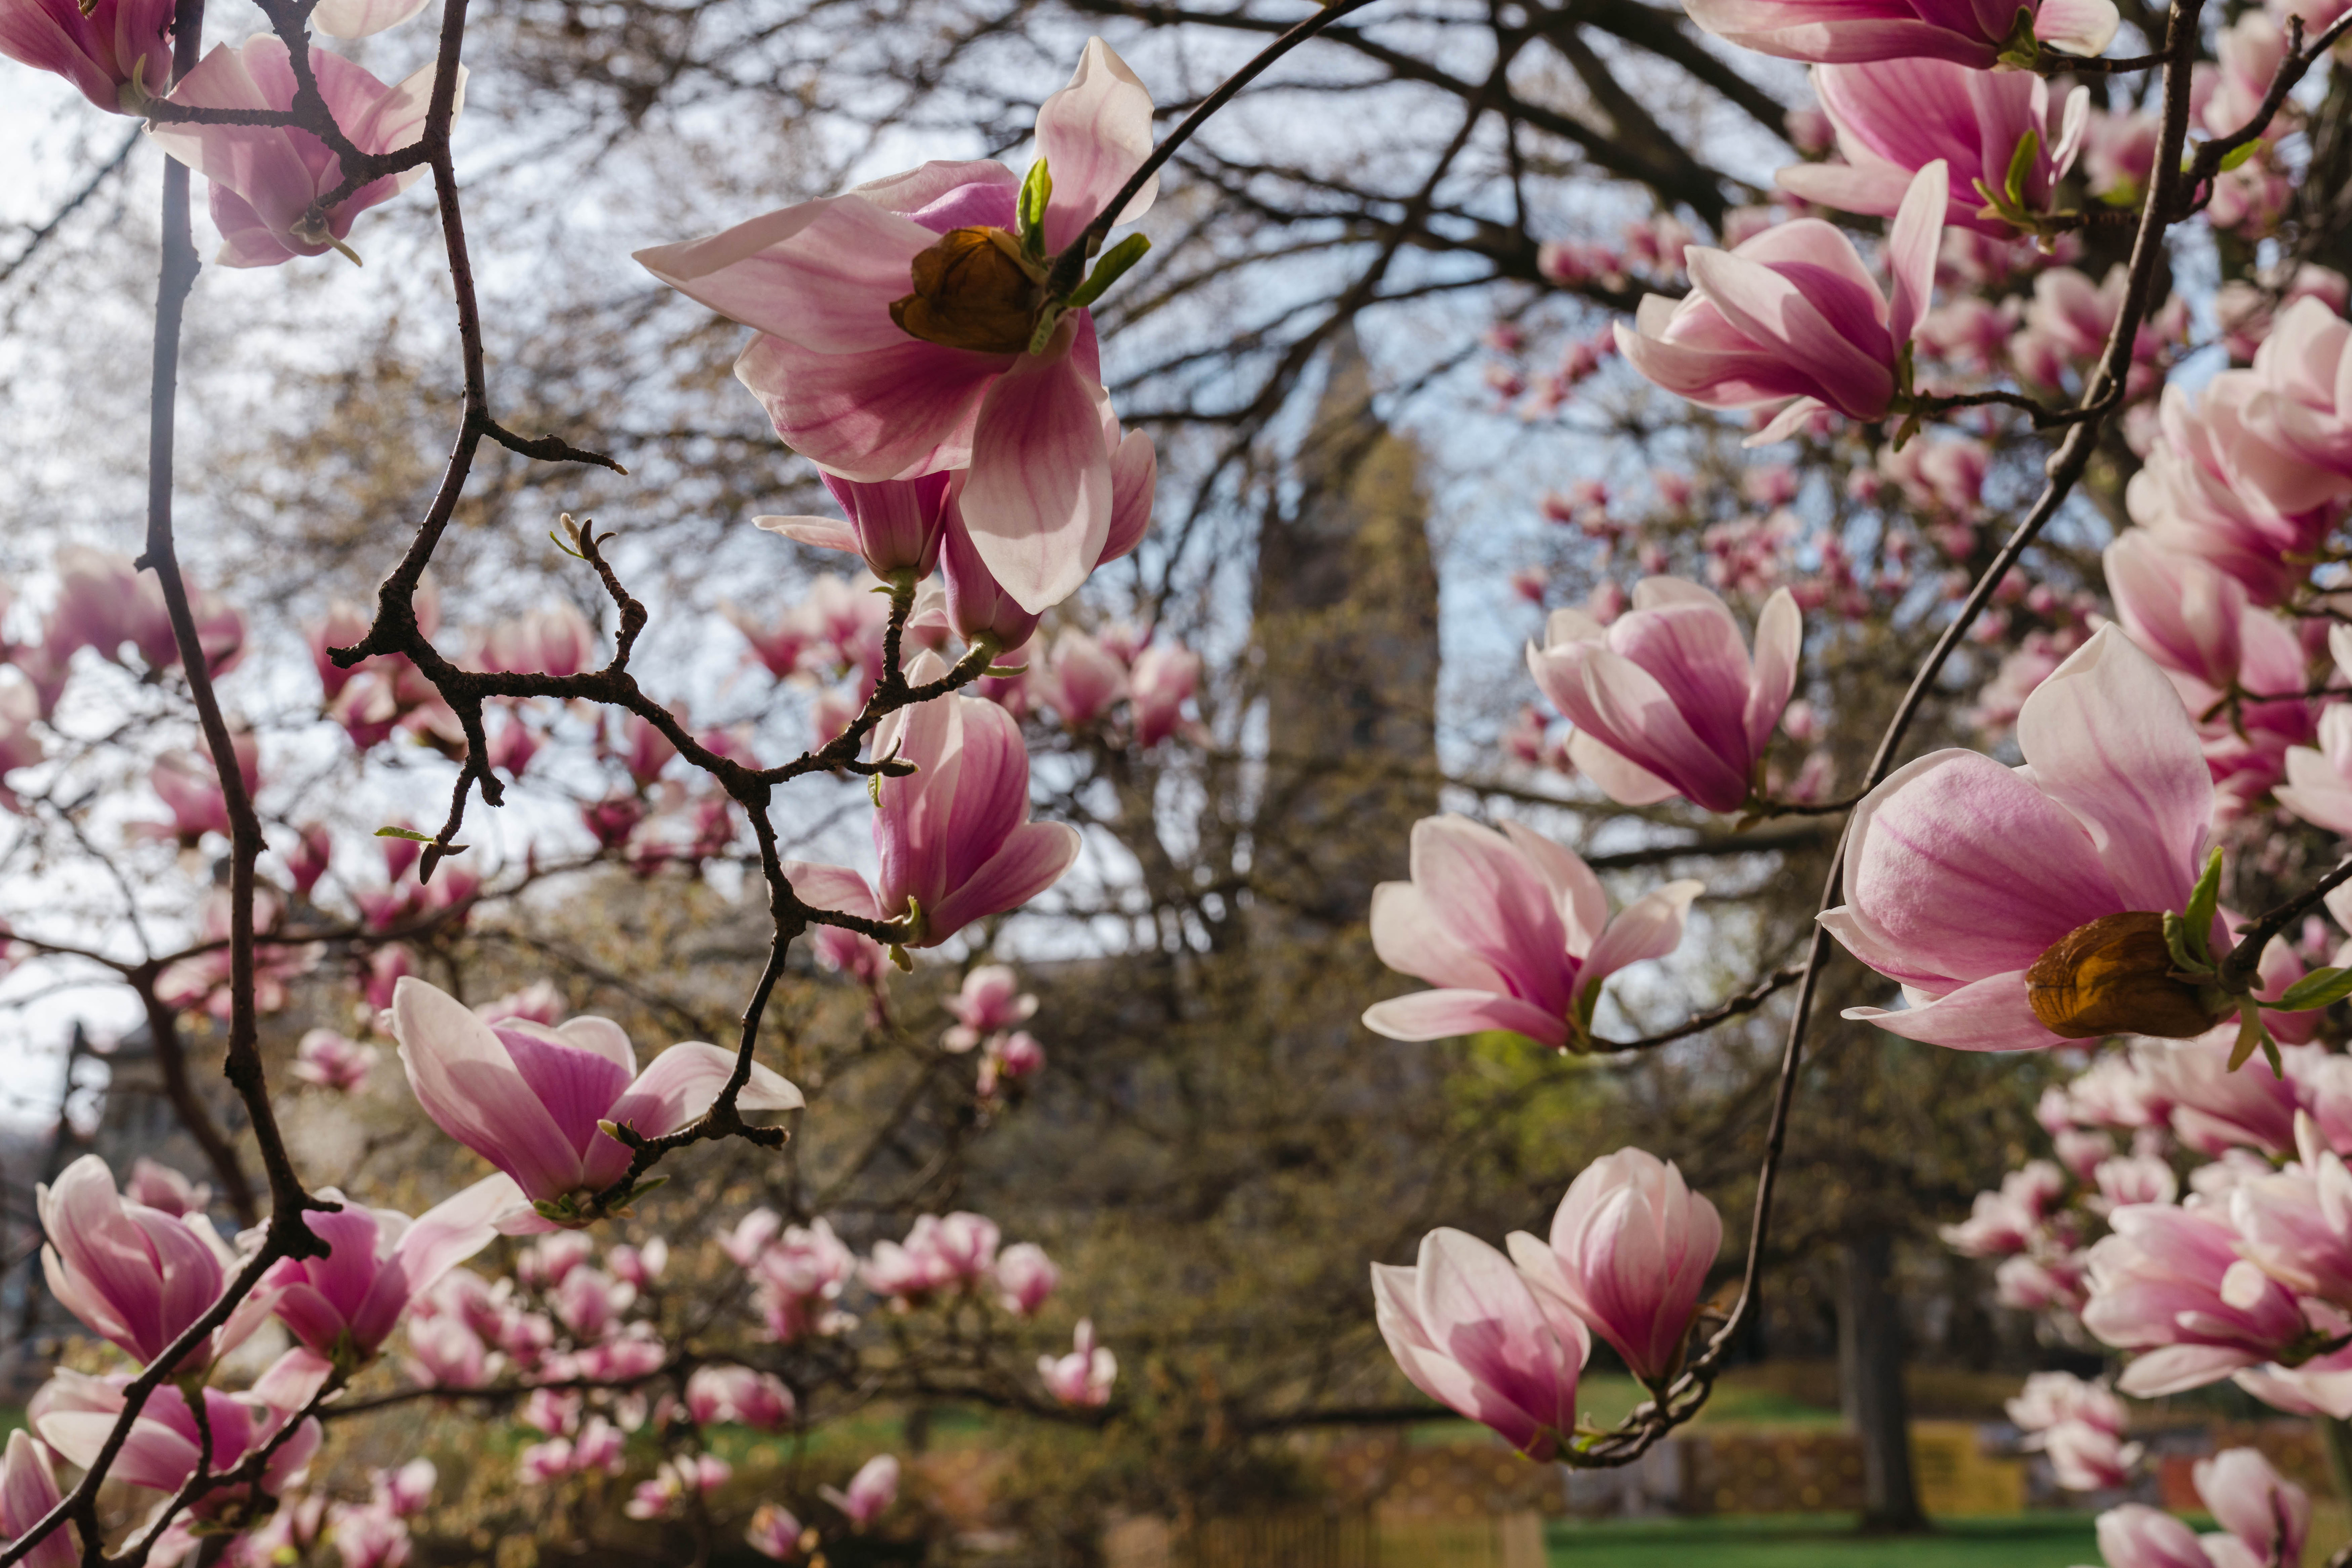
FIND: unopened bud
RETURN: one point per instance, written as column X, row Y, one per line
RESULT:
column 972, row 290
column 2115, row 976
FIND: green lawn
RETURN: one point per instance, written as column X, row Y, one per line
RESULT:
column 1822, row 1541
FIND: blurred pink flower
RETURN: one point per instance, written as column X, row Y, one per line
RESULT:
column 1079, row 681
column 1083, row 1378
column 1514, row 929
column 2170, row 1283
column 2269, row 1515
column 1163, row 678
column 163, row 1188
column 74, row 1414
column 774, row 1532
column 28, row 1490
column 2137, row 1536
column 266, row 179
column 990, row 999
column 1008, row 1059
column 329, row 1060
column 1023, row 1277
column 1665, row 700
column 723, row 1393
column 872, row 1489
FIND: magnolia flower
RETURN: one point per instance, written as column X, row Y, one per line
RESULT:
column 990, row 999
column 444, row 1351
column 329, row 1060
column 1665, row 699
column 1079, row 681
column 368, row 1535
column 161, row 1187
column 1793, row 317
column 903, row 333
column 28, row 1490
column 2269, row 1515
column 897, row 525
column 1082, row 1379
column 1164, row 676
column 532, row 1100
column 557, row 640
column 2051, row 1397
column 2169, row 1282
column 954, row 837
column 2137, row 1536
column 2303, row 402
column 2017, row 908
column 1630, row 1250
column 1470, row 1332
column 267, row 179
column 2205, row 489
column 117, row 53
column 2087, row 1458
column 774, row 1532
column 74, row 1414
column 1024, row 1277
column 1514, row 929
column 345, row 1305
column 874, row 1487
column 1894, row 117
column 718, row 1393
column 1008, row 1058
column 135, row 1275
column 1975, row 33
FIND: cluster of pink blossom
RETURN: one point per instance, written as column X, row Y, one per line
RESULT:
column 986, row 1009
column 1504, row 1340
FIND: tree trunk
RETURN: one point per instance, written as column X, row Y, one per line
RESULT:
column 1870, row 1375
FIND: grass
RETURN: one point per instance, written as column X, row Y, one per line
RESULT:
column 1818, row 1541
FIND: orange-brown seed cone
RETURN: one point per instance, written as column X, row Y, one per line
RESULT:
column 970, row 293
column 2114, row 976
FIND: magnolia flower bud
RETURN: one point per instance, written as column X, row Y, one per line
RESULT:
column 972, row 292
column 2115, row 976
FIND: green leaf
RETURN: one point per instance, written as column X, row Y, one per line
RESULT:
column 1115, row 261
column 2320, row 988
column 2251, row 1034
column 2237, row 155
column 2175, row 941
column 2202, row 902
column 2020, row 164
column 1048, row 320
column 1036, row 191
column 408, row 833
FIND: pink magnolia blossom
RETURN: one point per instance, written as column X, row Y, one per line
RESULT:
column 828, row 283
column 74, row 1414
column 2133, row 1179
column 529, row 1099
column 872, row 1489
column 367, row 1535
column 2183, row 612
column 2137, row 1536
column 1163, row 678
column 897, row 525
column 2083, row 1152
column 1514, row 930
column 1083, row 1378
column 981, row 608
column 1894, row 117
column 190, row 788
column 1961, row 873
column 1629, row 1253
column 332, row 1061
column 954, row 837
column 1975, row 33
column 135, row 1275
column 639, row 1266
column 723, row 1394
column 990, row 999
column 800, row 1277
column 2170, row 1283
column 2269, row 1515
column 28, row 1490
column 1469, row 1331
column 2088, row 1458
column 345, row 1305
column 103, row 601
column 589, row 1302
column 1665, row 700
column 266, row 179
column 2009, row 1220
column 1080, row 681
column 557, row 640
column 116, row 54
column 1023, row 1277
column 1008, row 1059
column 163, row 1188
column 774, row 1532
column 444, row 1351
column 2051, row 1397
column 1793, row 317
column 2207, row 486
column 2304, row 403
column 672, row 1480
column 407, row 1491
column 2041, row 1284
